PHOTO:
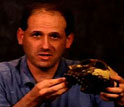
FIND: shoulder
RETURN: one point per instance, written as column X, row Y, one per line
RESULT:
column 9, row 74
column 9, row 64
column 7, row 67
column 70, row 62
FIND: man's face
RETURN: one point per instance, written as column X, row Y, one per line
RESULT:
column 44, row 40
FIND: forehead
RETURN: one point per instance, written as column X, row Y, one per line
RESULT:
column 43, row 18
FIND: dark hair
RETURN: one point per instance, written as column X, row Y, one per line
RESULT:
column 65, row 12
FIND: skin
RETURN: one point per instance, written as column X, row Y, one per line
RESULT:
column 44, row 42
column 115, row 94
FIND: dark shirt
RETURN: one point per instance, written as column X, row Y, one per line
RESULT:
column 16, row 80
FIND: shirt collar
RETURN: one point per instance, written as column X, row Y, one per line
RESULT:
column 62, row 69
column 25, row 73
column 27, row 76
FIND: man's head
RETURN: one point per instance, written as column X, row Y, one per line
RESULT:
column 45, row 35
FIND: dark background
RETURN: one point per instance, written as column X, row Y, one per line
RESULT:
column 99, row 30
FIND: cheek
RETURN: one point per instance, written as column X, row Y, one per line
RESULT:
column 60, row 47
column 29, row 46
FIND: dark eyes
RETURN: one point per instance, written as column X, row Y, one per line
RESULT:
column 37, row 34
column 94, row 63
column 53, row 35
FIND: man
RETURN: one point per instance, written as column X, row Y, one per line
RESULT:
column 36, row 79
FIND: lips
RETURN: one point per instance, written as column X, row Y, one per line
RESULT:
column 45, row 56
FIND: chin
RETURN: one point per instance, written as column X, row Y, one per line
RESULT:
column 40, row 63
column 45, row 65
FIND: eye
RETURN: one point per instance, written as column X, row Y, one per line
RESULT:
column 86, row 62
column 100, row 65
column 37, row 34
column 55, row 35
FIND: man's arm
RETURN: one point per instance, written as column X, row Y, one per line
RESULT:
column 43, row 91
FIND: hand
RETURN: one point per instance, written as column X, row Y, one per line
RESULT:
column 115, row 93
column 46, row 90
column 50, row 89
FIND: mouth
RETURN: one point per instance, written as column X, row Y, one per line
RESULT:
column 45, row 56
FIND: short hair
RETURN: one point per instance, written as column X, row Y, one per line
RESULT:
column 65, row 12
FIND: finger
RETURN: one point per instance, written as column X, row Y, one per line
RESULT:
column 103, row 97
column 53, row 89
column 59, row 92
column 117, row 78
column 56, row 81
column 109, row 96
column 114, row 90
column 59, row 86
column 120, row 82
column 112, row 72
column 50, row 82
column 56, row 94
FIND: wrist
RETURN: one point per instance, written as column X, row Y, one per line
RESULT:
column 29, row 100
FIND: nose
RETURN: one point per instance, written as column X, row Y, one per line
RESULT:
column 45, row 42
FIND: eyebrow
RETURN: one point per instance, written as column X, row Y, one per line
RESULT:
column 54, row 33
column 40, row 32
column 36, row 32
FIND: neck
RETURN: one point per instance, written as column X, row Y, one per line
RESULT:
column 40, row 74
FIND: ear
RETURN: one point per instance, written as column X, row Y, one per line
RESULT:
column 69, row 40
column 20, row 35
